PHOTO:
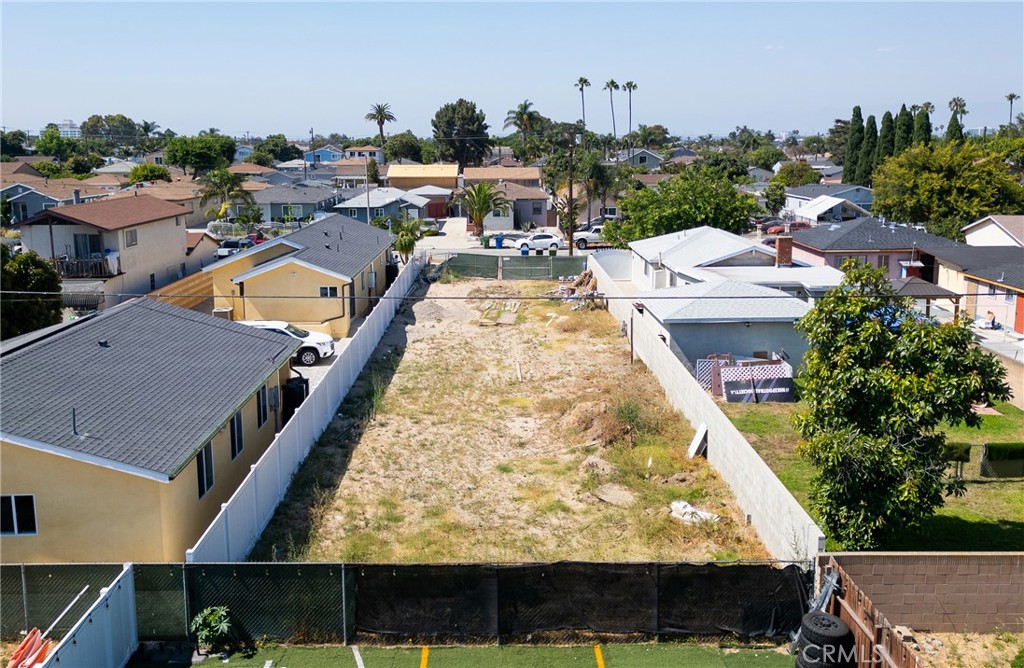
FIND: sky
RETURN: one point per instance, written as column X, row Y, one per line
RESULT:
column 700, row 68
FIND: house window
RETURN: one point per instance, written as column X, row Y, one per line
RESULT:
column 292, row 211
column 536, row 209
column 181, row 270
column 261, row 407
column 204, row 469
column 329, row 291
column 647, row 269
column 152, row 281
column 373, row 280
column 991, row 289
column 352, row 213
column 17, row 514
column 177, row 221
column 236, row 435
column 1008, row 297
column 883, row 262
column 378, row 213
column 642, row 159
column 131, row 238
column 158, row 160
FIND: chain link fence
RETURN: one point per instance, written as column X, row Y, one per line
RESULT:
column 34, row 595
column 514, row 267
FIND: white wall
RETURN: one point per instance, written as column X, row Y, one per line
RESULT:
column 784, row 527
column 989, row 234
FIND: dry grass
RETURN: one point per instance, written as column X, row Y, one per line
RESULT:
column 459, row 460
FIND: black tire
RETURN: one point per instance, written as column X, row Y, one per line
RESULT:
column 308, row 357
column 819, row 628
column 581, row 244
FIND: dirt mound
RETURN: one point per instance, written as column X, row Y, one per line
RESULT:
column 592, row 421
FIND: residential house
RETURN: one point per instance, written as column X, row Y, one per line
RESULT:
column 638, row 157
column 31, row 196
column 251, row 169
column 528, row 208
column 895, row 248
column 651, row 180
column 822, row 165
column 974, row 271
column 438, row 200
column 352, row 173
column 154, row 158
column 187, row 193
column 681, row 152
column 110, row 248
column 201, row 249
column 498, row 154
column 243, row 152
column 321, row 277
column 995, row 231
column 383, row 203
column 408, row 177
column 119, row 167
column 803, row 195
column 298, row 202
column 128, row 454
column 760, row 175
column 727, row 316
column 305, row 171
column 367, row 151
column 109, row 182
column 328, row 153
column 999, row 290
column 828, row 209
column 22, row 166
column 523, row 176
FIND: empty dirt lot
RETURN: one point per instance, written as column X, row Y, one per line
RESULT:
column 470, row 442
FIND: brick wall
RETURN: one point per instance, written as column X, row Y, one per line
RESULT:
column 977, row 592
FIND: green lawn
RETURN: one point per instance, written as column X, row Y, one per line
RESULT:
column 990, row 516
column 666, row 655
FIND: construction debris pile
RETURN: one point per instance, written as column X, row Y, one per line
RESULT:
column 581, row 289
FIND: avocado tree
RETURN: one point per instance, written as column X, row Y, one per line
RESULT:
column 29, row 293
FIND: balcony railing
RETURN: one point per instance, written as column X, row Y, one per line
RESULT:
column 84, row 268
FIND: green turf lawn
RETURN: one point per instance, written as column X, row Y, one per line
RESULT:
column 666, row 655
column 990, row 516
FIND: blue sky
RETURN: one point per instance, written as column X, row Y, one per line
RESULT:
column 700, row 68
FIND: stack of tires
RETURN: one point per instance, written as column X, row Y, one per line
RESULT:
column 825, row 642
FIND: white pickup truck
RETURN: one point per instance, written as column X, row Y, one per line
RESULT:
column 586, row 238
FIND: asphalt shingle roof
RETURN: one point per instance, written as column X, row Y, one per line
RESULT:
column 166, row 381
column 722, row 301
column 114, row 213
column 866, row 234
column 297, row 194
column 815, row 190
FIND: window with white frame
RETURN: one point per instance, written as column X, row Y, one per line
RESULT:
column 292, row 210
column 1008, row 297
column 352, row 213
column 883, row 262
column 204, row 469
column 378, row 213
column 17, row 514
column 362, row 280
column 131, row 238
column 991, row 289
column 261, row 407
column 373, row 280
column 537, row 208
column 237, row 441
column 328, row 291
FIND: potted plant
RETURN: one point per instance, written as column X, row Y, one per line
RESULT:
column 212, row 628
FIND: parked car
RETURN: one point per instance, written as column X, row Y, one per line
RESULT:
column 793, row 227
column 765, row 221
column 229, row 247
column 539, row 241
column 591, row 237
column 315, row 345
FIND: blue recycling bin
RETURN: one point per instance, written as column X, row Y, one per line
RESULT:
column 499, row 241
column 525, row 250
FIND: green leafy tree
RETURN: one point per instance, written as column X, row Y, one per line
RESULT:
column 904, row 131
column 481, row 199
column 774, row 198
column 6, row 212
column 460, row 131
column 691, row 199
column 381, row 114
column 372, row 171
column 729, row 165
column 224, row 187
column 82, row 165
column 835, row 142
column 1009, row 149
column 29, row 293
column 879, row 383
column 766, row 156
column 13, row 143
column 202, row 153
column 954, row 131
column 261, row 158
column 814, row 144
column 147, row 172
column 946, row 187
column 922, row 128
column 250, row 217
column 886, row 139
column 404, row 145
column 851, row 170
column 866, row 161
column 51, row 143
column 278, row 146
column 795, row 174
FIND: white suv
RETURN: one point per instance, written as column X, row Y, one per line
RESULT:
column 315, row 346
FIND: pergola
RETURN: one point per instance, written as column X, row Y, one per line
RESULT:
column 917, row 289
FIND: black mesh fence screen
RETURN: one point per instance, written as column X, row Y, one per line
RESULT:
column 413, row 600
column 160, row 601
column 545, row 267
column 43, row 591
column 469, row 264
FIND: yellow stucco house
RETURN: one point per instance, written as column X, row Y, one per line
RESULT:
column 320, row 277
column 407, row 177
column 122, row 433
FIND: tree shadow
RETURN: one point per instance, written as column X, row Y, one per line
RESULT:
column 956, row 534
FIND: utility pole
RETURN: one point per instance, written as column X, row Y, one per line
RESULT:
column 571, row 223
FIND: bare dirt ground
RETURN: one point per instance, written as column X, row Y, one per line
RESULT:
column 968, row 650
column 470, row 442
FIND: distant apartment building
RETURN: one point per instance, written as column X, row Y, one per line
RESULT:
column 67, row 128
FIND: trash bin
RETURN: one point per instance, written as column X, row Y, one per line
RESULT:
column 499, row 240
column 485, row 241
column 540, row 251
column 525, row 250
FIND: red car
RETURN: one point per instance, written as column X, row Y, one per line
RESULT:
column 793, row 227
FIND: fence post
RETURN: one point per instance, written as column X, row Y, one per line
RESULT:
column 227, row 532
column 344, row 605
column 256, row 515
column 24, row 596
column 657, row 602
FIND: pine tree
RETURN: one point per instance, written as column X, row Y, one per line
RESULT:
column 922, row 128
column 866, row 161
column 886, row 139
column 954, row 131
column 904, row 131
column 853, row 145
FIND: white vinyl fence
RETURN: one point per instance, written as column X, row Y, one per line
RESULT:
column 107, row 634
column 782, row 524
column 238, row 525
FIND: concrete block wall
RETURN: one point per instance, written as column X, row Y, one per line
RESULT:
column 951, row 592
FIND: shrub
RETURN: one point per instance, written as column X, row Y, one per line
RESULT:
column 958, row 452
column 212, row 627
column 1001, row 452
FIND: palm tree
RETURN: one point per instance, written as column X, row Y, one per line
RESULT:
column 610, row 86
column 928, row 108
column 1011, row 98
column 381, row 114
column 210, row 131
column 407, row 232
column 250, row 217
column 523, row 118
column 582, row 83
column 914, row 108
column 224, row 186
column 480, row 200
column 629, row 86
column 146, row 128
column 959, row 107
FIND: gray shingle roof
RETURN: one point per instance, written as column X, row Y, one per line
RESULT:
column 723, row 301
column 814, row 190
column 866, row 234
column 166, row 381
column 297, row 194
column 976, row 258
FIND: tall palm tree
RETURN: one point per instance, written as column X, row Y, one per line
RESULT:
column 610, row 86
column 480, row 200
column 524, row 119
column 210, row 131
column 959, row 107
column 582, row 83
column 407, row 231
column 629, row 87
column 225, row 187
column 381, row 114
column 928, row 108
column 1011, row 98
column 146, row 128
column 914, row 108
